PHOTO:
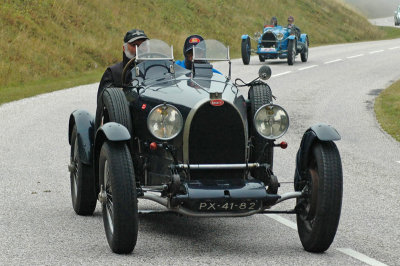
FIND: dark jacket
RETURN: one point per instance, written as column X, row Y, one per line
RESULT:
column 112, row 77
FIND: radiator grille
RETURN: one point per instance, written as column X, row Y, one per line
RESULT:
column 216, row 136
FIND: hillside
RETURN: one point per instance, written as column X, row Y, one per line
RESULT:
column 50, row 44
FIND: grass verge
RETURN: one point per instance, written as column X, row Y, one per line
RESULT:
column 387, row 109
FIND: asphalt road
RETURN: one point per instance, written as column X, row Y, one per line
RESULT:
column 389, row 21
column 337, row 86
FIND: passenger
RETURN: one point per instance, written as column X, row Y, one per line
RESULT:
column 191, row 42
column 294, row 27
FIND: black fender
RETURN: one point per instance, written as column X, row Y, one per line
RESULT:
column 110, row 131
column 318, row 132
column 84, row 122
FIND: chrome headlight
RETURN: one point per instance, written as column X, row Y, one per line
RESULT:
column 271, row 121
column 165, row 122
column 279, row 36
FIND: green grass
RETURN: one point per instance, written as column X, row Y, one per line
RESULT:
column 12, row 93
column 390, row 32
column 46, row 43
column 387, row 109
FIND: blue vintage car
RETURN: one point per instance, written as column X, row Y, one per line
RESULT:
column 276, row 42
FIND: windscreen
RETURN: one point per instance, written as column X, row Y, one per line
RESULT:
column 211, row 50
column 154, row 49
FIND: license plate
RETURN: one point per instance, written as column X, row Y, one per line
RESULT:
column 267, row 49
column 245, row 205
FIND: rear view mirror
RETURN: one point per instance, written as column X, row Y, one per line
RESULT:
column 264, row 72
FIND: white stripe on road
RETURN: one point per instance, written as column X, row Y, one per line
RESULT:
column 348, row 251
column 374, row 52
column 280, row 74
column 354, row 56
column 282, row 220
column 304, row 68
column 361, row 257
column 397, row 47
column 333, row 61
column 398, row 161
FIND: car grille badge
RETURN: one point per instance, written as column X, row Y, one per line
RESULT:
column 215, row 99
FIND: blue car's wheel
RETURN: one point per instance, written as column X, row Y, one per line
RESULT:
column 246, row 51
column 291, row 52
column 262, row 58
column 304, row 53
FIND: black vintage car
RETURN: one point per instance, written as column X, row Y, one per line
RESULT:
column 188, row 140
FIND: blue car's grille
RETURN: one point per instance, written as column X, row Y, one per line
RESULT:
column 268, row 40
column 217, row 136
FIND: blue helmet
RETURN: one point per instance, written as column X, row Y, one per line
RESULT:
column 190, row 42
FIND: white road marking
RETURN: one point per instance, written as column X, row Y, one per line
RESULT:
column 361, row 257
column 374, row 52
column 348, row 251
column 282, row 220
column 280, row 74
column 354, row 56
column 398, row 161
column 333, row 61
column 304, row 68
column 397, row 47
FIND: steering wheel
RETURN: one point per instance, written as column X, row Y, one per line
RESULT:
column 127, row 66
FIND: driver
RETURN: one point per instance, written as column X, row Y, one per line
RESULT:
column 112, row 77
column 191, row 42
column 113, row 74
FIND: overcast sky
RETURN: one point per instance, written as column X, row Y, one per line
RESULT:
column 375, row 8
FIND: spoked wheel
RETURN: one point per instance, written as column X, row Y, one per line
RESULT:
column 291, row 52
column 319, row 211
column 118, row 197
column 246, row 51
column 83, row 192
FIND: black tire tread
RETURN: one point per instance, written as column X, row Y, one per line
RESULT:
column 329, row 206
column 290, row 58
column 303, row 56
column 126, row 217
column 260, row 95
column 245, row 53
column 117, row 106
column 85, row 202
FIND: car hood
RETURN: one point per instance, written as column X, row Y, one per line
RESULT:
column 185, row 91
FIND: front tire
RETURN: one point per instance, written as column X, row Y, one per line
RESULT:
column 319, row 212
column 83, row 190
column 260, row 95
column 120, row 209
column 304, row 54
column 291, row 57
column 262, row 58
column 246, row 51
